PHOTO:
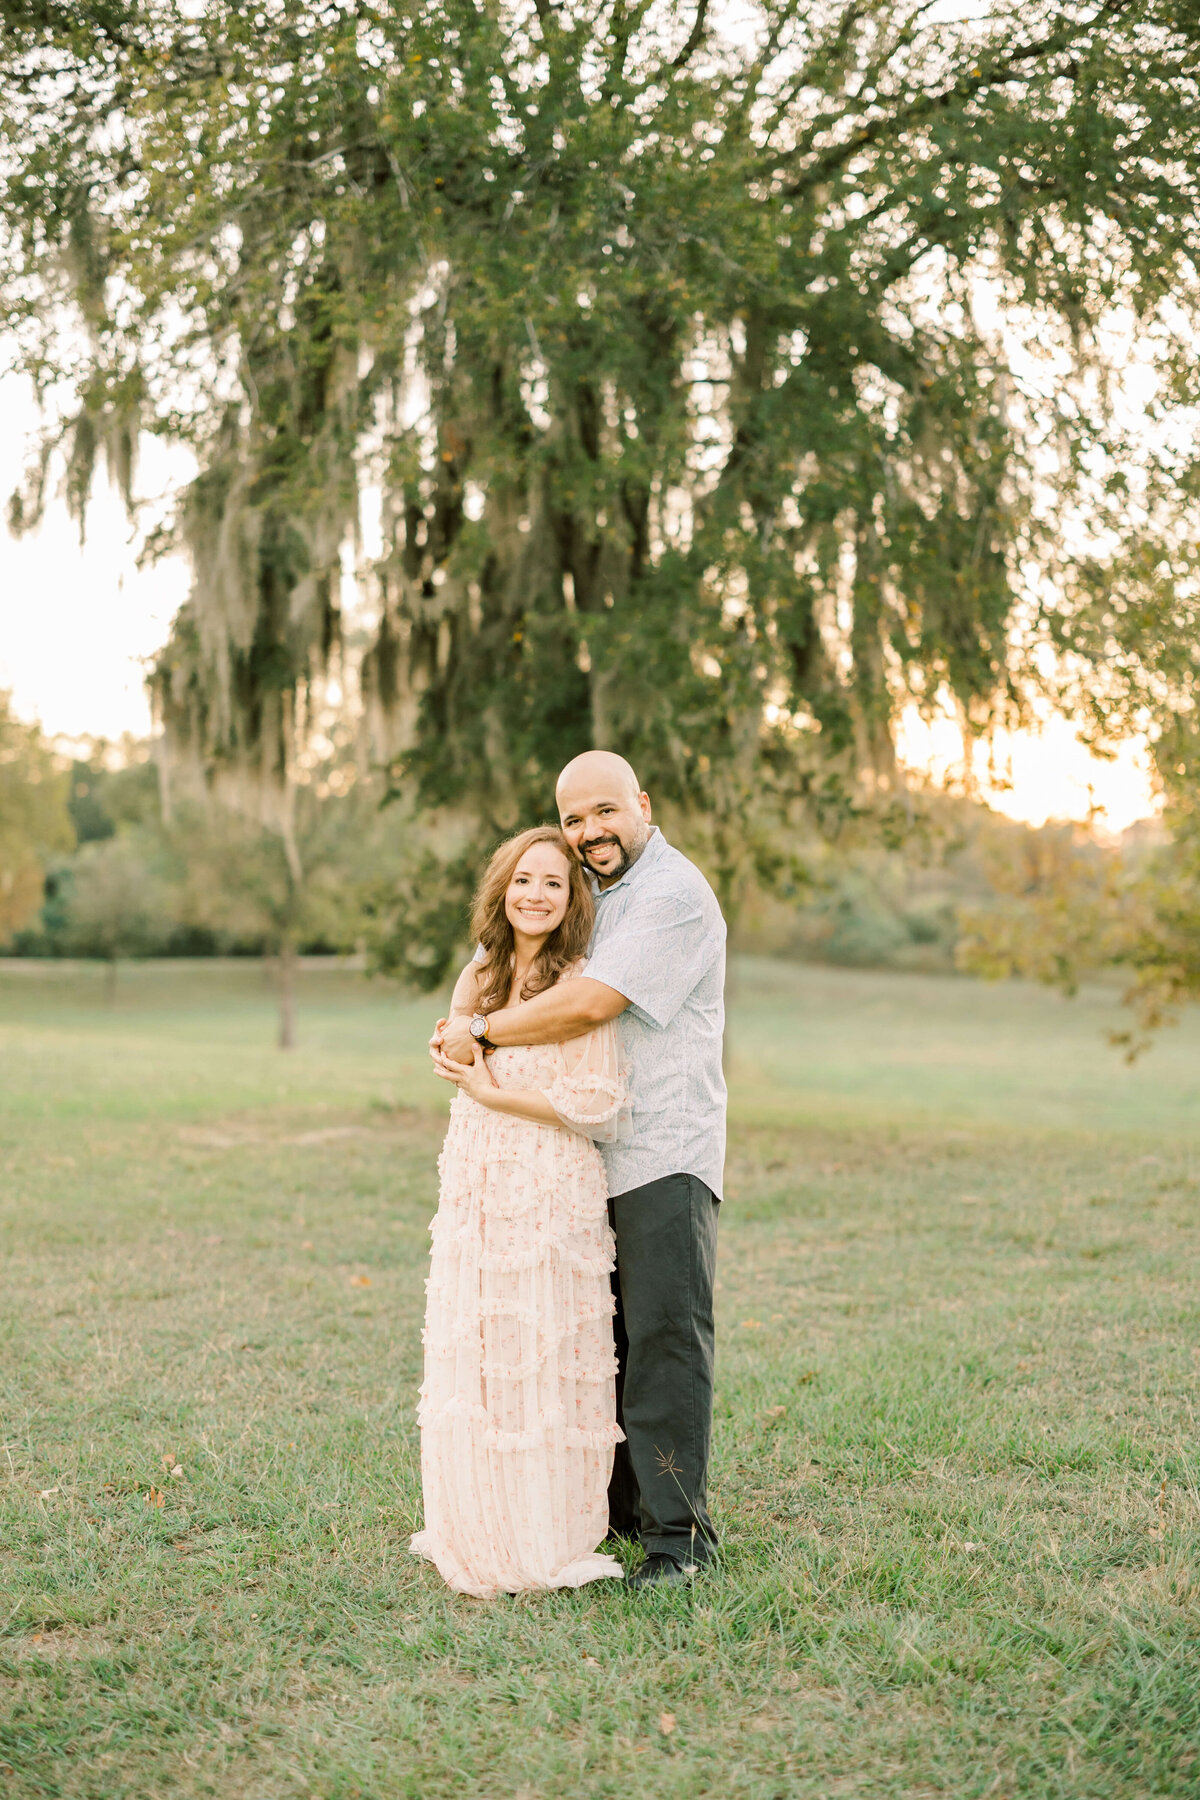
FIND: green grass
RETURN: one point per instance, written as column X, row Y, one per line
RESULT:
column 955, row 1467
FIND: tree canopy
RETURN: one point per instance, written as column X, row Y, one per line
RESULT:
column 725, row 384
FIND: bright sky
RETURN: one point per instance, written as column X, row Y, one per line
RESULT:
column 77, row 620
column 76, row 623
column 1036, row 776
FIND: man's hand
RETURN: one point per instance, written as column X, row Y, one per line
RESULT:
column 437, row 1043
column 456, row 1041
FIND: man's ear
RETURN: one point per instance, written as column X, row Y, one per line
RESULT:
column 644, row 803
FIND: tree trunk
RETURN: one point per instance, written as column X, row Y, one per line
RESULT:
column 110, row 981
column 287, row 995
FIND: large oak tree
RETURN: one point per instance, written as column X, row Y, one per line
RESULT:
column 728, row 380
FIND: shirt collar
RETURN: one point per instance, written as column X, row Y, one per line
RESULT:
column 653, row 848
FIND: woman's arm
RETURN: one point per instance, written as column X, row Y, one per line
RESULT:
column 476, row 1080
column 590, row 1091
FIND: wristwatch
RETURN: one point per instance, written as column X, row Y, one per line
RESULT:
column 478, row 1029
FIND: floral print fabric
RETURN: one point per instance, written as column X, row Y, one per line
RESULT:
column 518, row 1409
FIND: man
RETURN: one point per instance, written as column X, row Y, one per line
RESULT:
column 657, row 966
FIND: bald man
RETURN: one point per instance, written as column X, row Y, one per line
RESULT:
column 656, row 966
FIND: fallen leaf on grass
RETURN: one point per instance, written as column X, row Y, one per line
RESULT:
column 307, row 1244
column 666, row 1723
column 774, row 1412
column 591, row 1662
column 360, row 1281
column 751, row 1324
column 156, row 1497
column 45, row 1493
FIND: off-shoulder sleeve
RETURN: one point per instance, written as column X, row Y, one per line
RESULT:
column 589, row 1091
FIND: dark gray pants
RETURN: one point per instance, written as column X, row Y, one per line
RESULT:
column 666, row 1259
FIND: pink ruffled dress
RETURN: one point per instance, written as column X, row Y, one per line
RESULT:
column 518, row 1405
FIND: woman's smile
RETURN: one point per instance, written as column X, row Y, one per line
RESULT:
column 536, row 899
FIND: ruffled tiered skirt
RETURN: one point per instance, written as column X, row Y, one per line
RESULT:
column 518, row 1410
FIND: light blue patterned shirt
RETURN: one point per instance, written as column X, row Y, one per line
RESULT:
column 660, row 941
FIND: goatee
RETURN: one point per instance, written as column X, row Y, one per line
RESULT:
column 607, row 874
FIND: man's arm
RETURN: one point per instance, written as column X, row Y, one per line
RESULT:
column 462, row 1007
column 462, row 1000
column 564, row 1011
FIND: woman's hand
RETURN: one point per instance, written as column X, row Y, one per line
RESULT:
column 475, row 1078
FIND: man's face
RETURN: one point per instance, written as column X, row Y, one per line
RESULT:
column 605, row 825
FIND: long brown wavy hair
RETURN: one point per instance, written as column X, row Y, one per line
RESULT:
column 490, row 926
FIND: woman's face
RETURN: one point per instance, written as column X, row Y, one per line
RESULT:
column 535, row 900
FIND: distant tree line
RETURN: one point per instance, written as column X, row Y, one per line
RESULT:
column 112, row 879
column 106, row 872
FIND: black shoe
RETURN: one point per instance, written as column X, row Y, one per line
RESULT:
column 661, row 1570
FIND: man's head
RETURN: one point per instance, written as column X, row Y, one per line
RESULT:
column 605, row 815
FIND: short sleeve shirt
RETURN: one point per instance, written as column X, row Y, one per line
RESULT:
column 660, row 941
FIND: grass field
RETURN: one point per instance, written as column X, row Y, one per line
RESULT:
column 956, row 1460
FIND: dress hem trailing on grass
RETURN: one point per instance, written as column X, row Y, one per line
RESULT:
column 575, row 1575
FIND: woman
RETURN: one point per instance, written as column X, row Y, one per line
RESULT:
column 518, row 1413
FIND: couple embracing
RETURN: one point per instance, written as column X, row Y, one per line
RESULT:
column 569, row 1323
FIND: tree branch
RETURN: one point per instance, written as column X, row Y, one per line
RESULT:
column 694, row 37
column 624, row 24
column 1003, row 69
